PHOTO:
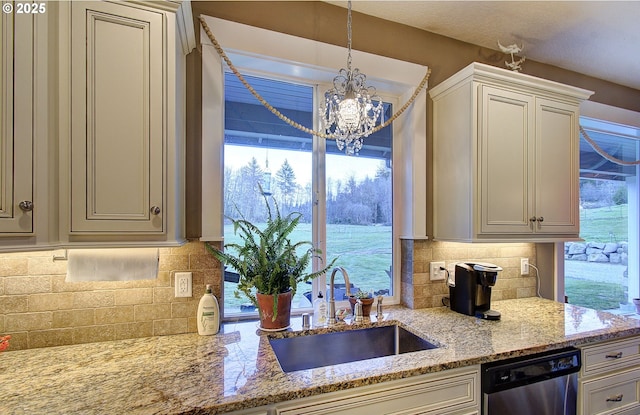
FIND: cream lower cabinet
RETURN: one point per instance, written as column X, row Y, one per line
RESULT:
column 610, row 378
column 451, row 392
column 505, row 157
column 124, row 76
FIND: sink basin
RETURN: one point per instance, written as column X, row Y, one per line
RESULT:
column 326, row 349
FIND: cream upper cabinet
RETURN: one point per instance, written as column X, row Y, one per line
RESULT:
column 16, row 125
column 505, row 157
column 123, row 172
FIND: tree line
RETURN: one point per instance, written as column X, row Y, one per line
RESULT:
column 349, row 201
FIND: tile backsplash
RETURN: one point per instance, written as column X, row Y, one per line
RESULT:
column 39, row 309
column 418, row 291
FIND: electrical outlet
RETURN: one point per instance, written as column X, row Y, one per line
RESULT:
column 524, row 266
column 435, row 273
column 184, row 284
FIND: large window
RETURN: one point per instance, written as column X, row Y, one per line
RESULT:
column 345, row 201
column 602, row 271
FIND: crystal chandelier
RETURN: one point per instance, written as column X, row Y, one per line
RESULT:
column 350, row 109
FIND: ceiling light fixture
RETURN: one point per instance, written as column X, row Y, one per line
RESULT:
column 350, row 110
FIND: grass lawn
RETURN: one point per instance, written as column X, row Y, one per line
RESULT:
column 605, row 224
column 596, row 295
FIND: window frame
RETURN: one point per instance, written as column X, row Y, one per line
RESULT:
column 264, row 52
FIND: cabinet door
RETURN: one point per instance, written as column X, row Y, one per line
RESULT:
column 506, row 140
column 16, row 124
column 557, row 168
column 117, row 120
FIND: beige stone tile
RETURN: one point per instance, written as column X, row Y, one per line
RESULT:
column 1, row 285
column 113, row 315
column 134, row 296
column 421, row 267
column 50, row 302
column 93, row 299
column 420, row 278
column 192, row 325
column 11, row 304
column 202, row 261
column 50, row 338
column 2, row 323
column 46, row 266
column 27, row 285
column 74, row 318
column 28, row 321
column 163, row 295
column 19, row 341
column 174, row 262
column 172, row 326
column 517, row 250
column 12, row 266
column 195, row 247
column 92, row 334
column 147, row 312
column 526, row 292
column 184, row 310
column 164, row 279
column 133, row 330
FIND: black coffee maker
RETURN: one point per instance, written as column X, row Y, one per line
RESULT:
column 470, row 293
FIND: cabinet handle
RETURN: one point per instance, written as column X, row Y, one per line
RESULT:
column 26, row 205
column 615, row 398
column 532, row 219
column 614, row 356
column 541, row 219
column 155, row 210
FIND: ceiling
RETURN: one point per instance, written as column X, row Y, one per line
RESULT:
column 596, row 38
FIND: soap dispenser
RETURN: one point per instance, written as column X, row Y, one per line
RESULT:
column 208, row 313
column 319, row 311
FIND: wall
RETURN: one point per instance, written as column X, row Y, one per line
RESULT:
column 419, row 292
column 39, row 309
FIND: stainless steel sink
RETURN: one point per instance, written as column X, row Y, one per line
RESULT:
column 326, row 349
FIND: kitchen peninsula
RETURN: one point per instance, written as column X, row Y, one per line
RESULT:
column 237, row 369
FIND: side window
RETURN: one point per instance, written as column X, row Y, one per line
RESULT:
column 601, row 272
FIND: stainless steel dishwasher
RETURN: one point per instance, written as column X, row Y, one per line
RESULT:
column 544, row 383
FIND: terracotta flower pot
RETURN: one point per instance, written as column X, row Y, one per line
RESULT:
column 366, row 305
column 282, row 319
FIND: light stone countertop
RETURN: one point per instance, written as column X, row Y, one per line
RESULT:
column 236, row 369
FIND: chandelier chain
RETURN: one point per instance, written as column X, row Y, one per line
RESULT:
column 349, row 37
column 286, row 119
column 604, row 154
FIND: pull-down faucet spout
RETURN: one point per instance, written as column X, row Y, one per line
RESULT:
column 332, row 300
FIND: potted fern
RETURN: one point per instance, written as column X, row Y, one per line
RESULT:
column 269, row 264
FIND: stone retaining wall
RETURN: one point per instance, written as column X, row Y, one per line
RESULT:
column 609, row 252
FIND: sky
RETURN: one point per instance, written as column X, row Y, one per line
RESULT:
column 338, row 166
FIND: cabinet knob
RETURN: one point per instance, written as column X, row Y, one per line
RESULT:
column 26, row 205
column 532, row 219
column 615, row 398
column 155, row 210
column 541, row 219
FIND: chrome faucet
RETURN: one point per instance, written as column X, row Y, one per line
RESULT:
column 332, row 300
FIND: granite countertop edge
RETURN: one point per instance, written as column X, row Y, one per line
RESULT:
column 237, row 369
